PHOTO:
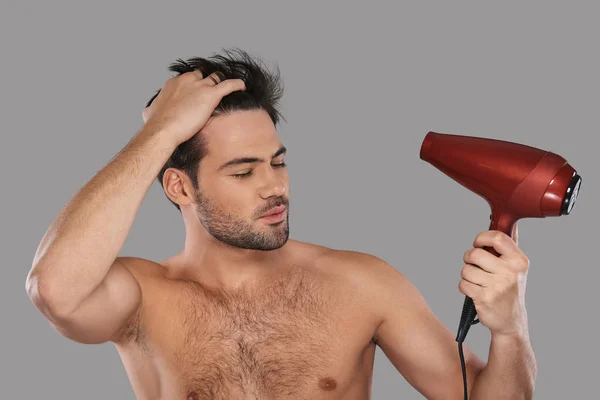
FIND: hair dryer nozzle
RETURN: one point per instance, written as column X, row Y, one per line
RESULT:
column 571, row 195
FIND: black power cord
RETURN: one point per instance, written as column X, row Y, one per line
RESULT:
column 462, row 364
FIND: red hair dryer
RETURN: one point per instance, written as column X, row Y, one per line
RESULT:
column 517, row 181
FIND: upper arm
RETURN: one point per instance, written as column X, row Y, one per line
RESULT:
column 102, row 316
column 415, row 341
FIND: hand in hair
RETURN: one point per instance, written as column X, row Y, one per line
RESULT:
column 187, row 101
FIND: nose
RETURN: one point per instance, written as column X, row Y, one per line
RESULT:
column 274, row 186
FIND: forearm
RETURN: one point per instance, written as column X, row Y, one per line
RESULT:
column 510, row 372
column 82, row 243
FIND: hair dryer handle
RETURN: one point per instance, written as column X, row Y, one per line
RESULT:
column 503, row 223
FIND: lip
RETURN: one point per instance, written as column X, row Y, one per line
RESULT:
column 276, row 214
column 275, row 210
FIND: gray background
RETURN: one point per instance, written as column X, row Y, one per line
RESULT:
column 364, row 83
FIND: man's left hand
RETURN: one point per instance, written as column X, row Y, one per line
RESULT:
column 497, row 284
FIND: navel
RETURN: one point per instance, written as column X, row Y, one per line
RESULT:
column 327, row 383
column 193, row 396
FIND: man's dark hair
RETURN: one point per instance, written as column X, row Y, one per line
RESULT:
column 264, row 90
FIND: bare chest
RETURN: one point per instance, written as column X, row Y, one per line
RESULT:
column 297, row 339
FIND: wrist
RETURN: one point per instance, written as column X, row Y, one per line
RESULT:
column 161, row 136
column 510, row 337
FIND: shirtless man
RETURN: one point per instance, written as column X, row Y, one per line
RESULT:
column 242, row 312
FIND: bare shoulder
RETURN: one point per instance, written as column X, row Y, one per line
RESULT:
column 367, row 276
column 358, row 268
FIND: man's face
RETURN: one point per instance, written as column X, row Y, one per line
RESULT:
column 232, row 198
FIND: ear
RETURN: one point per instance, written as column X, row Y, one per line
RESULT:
column 178, row 187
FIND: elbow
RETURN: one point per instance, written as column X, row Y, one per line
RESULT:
column 48, row 296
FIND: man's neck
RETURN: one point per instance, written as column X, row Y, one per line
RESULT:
column 216, row 264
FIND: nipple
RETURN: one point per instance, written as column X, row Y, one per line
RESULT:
column 327, row 384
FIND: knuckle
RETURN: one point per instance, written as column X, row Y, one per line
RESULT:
column 475, row 255
column 499, row 237
column 171, row 82
column 467, row 254
column 175, row 78
column 182, row 79
column 190, row 75
column 523, row 263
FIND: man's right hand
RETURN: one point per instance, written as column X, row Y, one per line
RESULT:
column 187, row 101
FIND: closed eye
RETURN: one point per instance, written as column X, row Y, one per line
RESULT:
column 249, row 173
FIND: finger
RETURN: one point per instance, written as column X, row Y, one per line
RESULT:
column 499, row 241
column 475, row 275
column 190, row 76
column 198, row 73
column 483, row 259
column 470, row 289
column 230, row 85
column 214, row 79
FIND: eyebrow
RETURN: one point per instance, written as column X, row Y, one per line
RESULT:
column 247, row 160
